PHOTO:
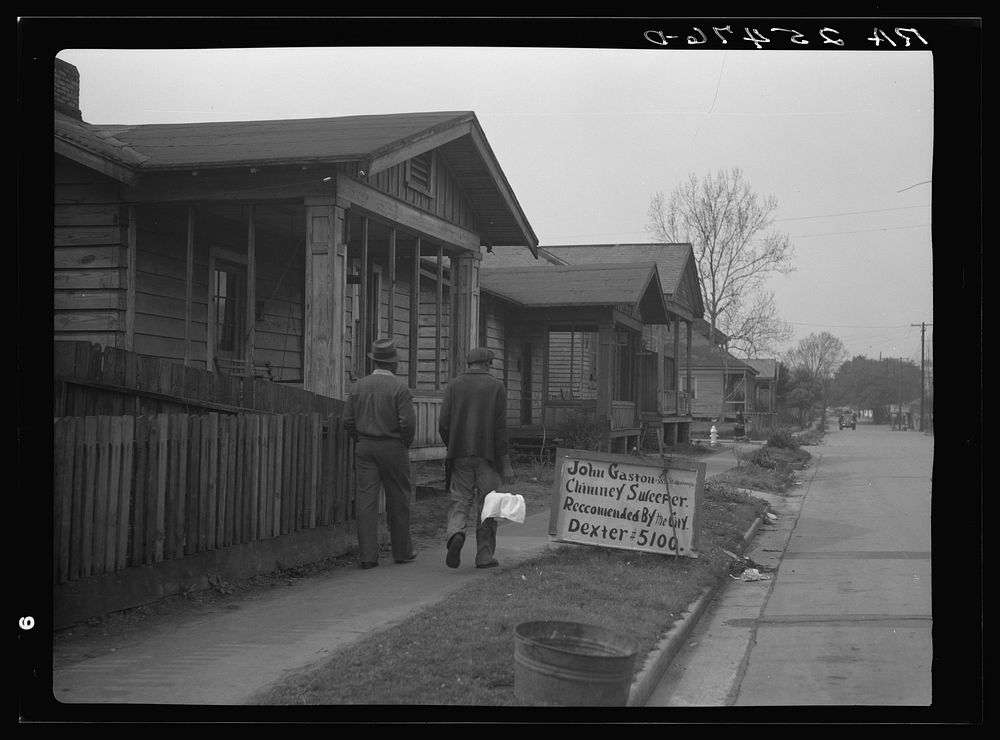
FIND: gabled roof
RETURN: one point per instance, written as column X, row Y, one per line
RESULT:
column 766, row 369
column 675, row 264
column 374, row 142
column 703, row 328
column 172, row 146
column 705, row 357
column 550, row 286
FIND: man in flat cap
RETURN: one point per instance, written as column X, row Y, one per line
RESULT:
column 473, row 425
column 380, row 418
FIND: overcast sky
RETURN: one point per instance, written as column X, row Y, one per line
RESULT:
column 843, row 140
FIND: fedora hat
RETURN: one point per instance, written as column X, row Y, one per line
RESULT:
column 384, row 350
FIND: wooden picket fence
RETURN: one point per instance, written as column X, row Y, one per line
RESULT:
column 132, row 491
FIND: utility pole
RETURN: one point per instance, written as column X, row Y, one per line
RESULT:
column 923, row 329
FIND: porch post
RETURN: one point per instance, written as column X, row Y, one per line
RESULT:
column 465, row 300
column 325, row 280
column 251, row 310
column 414, row 313
column 438, row 318
column 392, row 283
column 676, row 380
column 130, row 277
column 189, row 284
column 362, row 341
column 689, row 392
column 605, row 346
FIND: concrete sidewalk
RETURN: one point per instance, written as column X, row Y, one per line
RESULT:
column 225, row 658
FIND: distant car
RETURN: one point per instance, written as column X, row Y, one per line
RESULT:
column 848, row 420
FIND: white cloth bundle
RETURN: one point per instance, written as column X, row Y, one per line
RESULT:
column 504, row 506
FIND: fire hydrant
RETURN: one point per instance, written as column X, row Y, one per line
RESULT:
column 714, row 435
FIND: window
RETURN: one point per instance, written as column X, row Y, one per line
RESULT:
column 694, row 386
column 228, row 297
column 572, row 364
column 420, row 173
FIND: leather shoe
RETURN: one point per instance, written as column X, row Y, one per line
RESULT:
column 491, row 564
column 454, row 557
column 408, row 560
column 368, row 566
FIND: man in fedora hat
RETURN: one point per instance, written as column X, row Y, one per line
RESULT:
column 473, row 425
column 380, row 418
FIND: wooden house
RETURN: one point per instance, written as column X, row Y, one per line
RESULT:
column 195, row 261
column 580, row 334
column 763, row 395
column 719, row 383
column 280, row 249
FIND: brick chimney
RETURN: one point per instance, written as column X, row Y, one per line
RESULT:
column 67, row 89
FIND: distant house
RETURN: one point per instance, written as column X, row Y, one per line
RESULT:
column 720, row 384
column 593, row 329
column 763, row 395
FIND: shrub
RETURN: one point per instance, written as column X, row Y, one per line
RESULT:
column 784, row 438
column 581, row 432
column 762, row 459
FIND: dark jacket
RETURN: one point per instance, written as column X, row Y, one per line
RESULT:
column 380, row 406
column 473, row 418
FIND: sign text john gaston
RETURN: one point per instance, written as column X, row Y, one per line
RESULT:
column 627, row 502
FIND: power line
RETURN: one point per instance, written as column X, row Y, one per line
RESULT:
column 859, row 231
column 851, row 213
column 847, row 326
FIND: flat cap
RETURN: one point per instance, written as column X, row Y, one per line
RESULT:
column 479, row 354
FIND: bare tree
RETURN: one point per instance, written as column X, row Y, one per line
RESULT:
column 736, row 247
column 756, row 327
column 821, row 355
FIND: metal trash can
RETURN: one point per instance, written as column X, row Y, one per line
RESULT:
column 572, row 664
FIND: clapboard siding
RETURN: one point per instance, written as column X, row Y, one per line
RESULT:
column 708, row 385
column 89, row 258
column 572, row 365
column 446, row 200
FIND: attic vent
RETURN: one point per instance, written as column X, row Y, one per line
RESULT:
column 420, row 172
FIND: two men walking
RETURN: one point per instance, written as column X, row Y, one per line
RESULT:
column 379, row 416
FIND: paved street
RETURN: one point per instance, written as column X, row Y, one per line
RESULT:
column 846, row 619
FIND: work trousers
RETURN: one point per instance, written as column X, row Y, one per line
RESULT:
column 472, row 478
column 383, row 463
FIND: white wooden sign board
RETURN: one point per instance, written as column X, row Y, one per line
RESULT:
column 627, row 502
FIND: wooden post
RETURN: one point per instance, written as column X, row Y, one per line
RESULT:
column 325, row 268
column 676, row 380
column 392, row 282
column 362, row 340
column 130, row 281
column 188, row 285
column 438, row 312
column 690, row 392
column 465, row 302
column 414, row 312
column 605, row 347
column 251, row 311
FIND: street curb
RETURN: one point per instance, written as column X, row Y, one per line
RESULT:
column 657, row 662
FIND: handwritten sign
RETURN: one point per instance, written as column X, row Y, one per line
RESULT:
column 627, row 502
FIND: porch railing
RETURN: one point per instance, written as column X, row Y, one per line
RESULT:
column 428, row 410
column 623, row 415
column 675, row 403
